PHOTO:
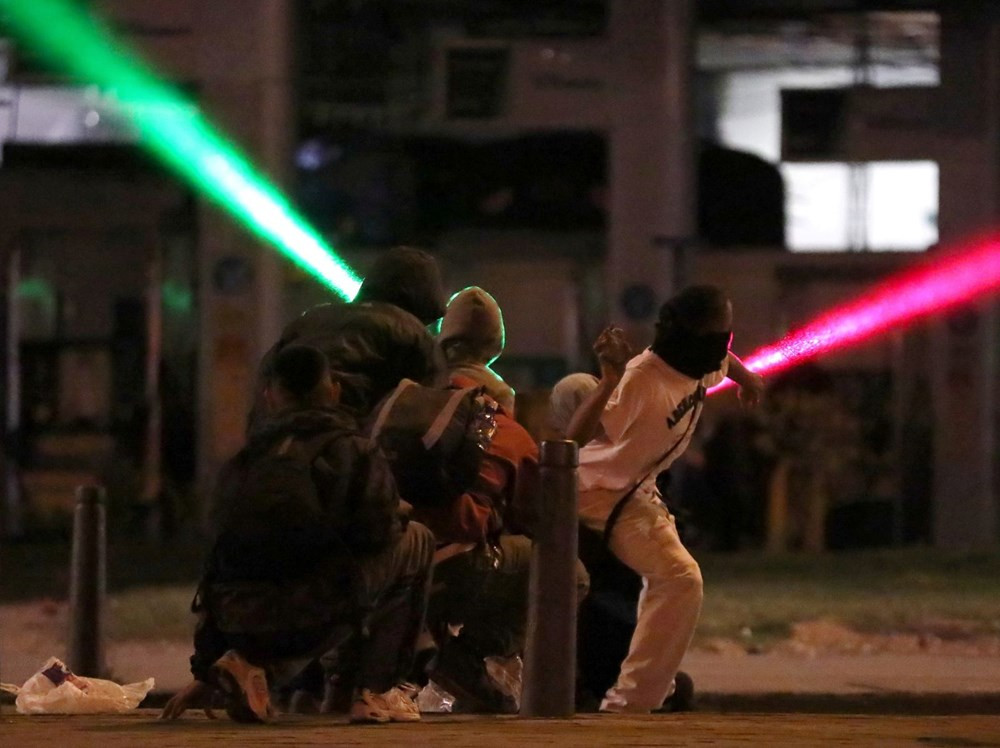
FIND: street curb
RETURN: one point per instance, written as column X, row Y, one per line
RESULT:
column 885, row 703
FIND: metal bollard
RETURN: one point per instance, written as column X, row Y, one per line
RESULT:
column 550, row 656
column 88, row 583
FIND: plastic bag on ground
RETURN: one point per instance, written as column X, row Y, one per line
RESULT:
column 506, row 674
column 56, row 690
column 434, row 699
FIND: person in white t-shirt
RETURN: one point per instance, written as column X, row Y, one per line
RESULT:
column 631, row 428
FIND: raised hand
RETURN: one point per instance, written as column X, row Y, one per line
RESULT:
column 751, row 390
column 613, row 351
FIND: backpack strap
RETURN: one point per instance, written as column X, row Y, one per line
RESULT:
column 383, row 414
column 437, row 427
column 311, row 447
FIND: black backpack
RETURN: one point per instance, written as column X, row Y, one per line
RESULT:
column 434, row 439
column 273, row 566
column 267, row 510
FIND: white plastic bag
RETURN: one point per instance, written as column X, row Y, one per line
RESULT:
column 56, row 690
column 506, row 674
column 434, row 699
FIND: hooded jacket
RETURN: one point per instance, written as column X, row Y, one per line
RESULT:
column 379, row 338
column 504, row 495
column 473, row 317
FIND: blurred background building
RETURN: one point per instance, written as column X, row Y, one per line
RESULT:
column 588, row 155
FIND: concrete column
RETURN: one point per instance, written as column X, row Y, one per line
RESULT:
column 245, row 59
column 550, row 653
column 277, row 141
column 88, row 583
column 964, row 368
column 152, row 461
column 13, row 509
column 652, row 151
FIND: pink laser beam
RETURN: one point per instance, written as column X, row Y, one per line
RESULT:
column 932, row 287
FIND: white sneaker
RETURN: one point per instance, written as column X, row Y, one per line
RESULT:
column 394, row 705
column 614, row 703
column 248, row 698
column 402, row 704
column 368, row 707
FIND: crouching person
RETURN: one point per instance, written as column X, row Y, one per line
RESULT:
column 310, row 554
column 482, row 570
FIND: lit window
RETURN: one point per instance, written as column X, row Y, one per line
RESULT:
column 885, row 205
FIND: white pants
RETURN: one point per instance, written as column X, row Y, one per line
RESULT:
column 645, row 539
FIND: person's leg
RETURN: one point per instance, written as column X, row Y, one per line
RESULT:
column 606, row 619
column 487, row 593
column 645, row 538
column 396, row 583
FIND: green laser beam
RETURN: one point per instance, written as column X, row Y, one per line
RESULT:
column 175, row 131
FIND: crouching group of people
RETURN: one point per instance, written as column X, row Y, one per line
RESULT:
column 323, row 586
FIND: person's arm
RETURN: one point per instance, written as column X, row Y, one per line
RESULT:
column 751, row 384
column 209, row 645
column 195, row 693
column 586, row 421
column 476, row 515
column 376, row 523
column 613, row 352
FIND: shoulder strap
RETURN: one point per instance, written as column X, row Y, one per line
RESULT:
column 436, row 429
column 383, row 414
column 620, row 505
column 309, row 447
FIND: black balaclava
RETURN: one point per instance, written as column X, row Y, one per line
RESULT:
column 692, row 353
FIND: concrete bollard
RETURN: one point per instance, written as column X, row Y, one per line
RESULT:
column 550, row 657
column 88, row 583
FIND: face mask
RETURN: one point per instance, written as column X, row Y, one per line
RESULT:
column 691, row 354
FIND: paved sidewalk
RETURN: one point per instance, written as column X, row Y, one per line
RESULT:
column 874, row 683
column 843, row 674
column 142, row 729
column 725, row 680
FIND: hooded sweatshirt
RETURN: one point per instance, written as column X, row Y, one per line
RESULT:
column 503, row 497
column 474, row 317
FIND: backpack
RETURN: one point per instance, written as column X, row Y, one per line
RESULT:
column 267, row 510
column 272, row 567
column 434, row 439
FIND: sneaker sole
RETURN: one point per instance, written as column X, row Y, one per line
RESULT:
column 368, row 721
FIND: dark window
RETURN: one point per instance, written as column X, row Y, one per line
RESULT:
column 476, row 82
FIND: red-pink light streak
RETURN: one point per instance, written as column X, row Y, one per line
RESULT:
column 933, row 287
